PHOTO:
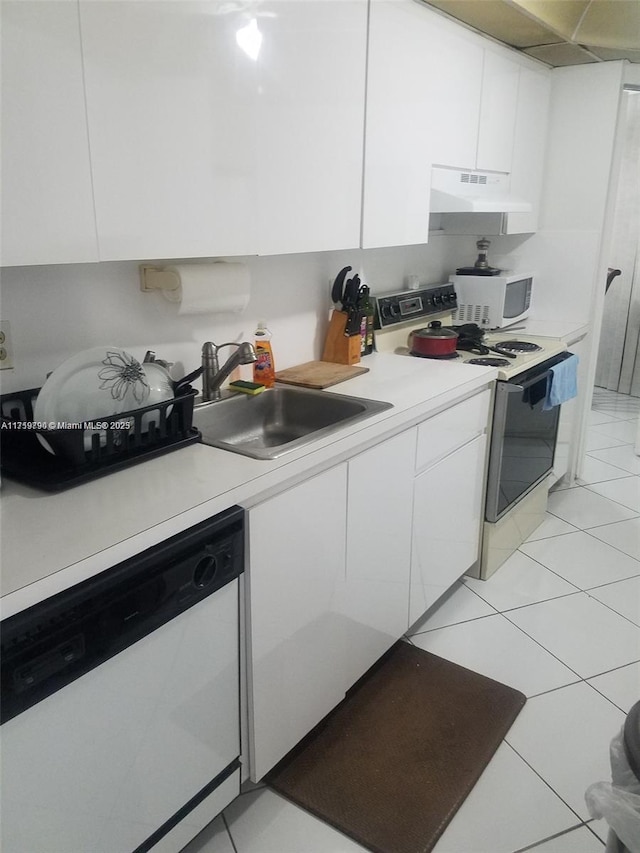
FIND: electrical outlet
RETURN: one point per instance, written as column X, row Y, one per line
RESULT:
column 6, row 346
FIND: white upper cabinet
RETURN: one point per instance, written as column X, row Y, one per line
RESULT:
column 220, row 130
column 497, row 113
column 312, row 66
column 529, row 149
column 171, row 99
column 47, row 204
column 423, row 103
column 453, row 91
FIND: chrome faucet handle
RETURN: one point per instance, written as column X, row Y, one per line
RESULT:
column 213, row 375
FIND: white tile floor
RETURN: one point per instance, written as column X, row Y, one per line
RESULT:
column 560, row 621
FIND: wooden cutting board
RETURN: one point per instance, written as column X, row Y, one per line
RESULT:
column 319, row 374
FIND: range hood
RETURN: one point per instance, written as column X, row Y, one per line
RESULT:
column 457, row 191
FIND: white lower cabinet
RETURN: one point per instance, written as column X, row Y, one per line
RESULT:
column 342, row 563
column 376, row 589
column 328, row 587
column 447, row 513
column 296, row 633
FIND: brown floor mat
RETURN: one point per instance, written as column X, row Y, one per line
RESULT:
column 393, row 762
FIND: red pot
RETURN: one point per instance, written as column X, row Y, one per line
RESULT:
column 435, row 341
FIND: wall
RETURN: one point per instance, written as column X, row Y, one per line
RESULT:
column 566, row 251
column 570, row 251
column 56, row 311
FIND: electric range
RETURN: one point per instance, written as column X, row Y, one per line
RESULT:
column 401, row 313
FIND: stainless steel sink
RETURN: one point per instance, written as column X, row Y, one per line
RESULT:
column 278, row 420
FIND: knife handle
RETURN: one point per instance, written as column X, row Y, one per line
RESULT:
column 353, row 322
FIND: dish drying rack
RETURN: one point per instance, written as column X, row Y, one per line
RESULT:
column 82, row 454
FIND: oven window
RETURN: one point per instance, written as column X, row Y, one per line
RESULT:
column 528, row 444
column 517, row 297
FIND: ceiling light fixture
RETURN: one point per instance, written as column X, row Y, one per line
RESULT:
column 249, row 39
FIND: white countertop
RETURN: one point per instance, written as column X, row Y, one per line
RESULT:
column 51, row 541
column 564, row 330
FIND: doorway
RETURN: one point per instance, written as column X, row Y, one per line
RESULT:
column 618, row 362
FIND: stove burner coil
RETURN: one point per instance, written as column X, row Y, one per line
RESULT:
column 518, row 346
column 490, row 361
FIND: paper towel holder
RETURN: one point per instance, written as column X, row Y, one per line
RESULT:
column 155, row 278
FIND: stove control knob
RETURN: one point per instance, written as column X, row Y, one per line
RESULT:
column 437, row 299
column 389, row 310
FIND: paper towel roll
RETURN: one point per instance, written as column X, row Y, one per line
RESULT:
column 210, row 288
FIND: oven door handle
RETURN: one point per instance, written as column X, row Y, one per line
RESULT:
column 512, row 388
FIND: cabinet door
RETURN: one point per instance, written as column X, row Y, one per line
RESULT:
column 447, row 513
column 312, row 66
column 296, row 633
column 47, row 203
column 453, row 84
column 497, row 113
column 529, row 148
column 423, row 103
column 397, row 173
column 171, row 100
column 378, row 550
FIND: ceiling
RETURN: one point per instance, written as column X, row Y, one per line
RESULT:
column 558, row 32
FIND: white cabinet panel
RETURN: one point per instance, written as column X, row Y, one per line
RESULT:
column 378, row 550
column 296, row 633
column 423, row 102
column 447, row 513
column 312, row 65
column 397, row 173
column 47, row 203
column 529, row 148
column 452, row 428
column 171, row 101
column 454, row 89
column 497, row 113
column 217, row 133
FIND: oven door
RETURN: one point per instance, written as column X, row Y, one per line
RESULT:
column 523, row 438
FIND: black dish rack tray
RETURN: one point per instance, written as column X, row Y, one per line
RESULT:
column 80, row 454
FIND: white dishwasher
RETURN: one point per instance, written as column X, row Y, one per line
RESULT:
column 120, row 702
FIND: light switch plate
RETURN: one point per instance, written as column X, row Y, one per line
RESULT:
column 6, row 346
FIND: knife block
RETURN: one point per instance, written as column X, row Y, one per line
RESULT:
column 339, row 348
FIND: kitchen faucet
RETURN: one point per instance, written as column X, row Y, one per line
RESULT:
column 213, row 375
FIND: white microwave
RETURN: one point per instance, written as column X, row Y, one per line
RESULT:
column 492, row 301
